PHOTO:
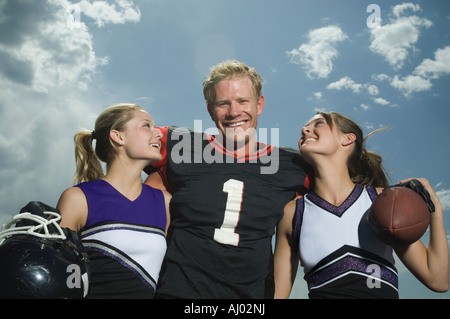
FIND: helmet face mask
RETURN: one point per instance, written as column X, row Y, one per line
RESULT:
column 39, row 259
column 30, row 224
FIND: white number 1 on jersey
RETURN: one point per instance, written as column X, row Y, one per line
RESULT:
column 226, row 233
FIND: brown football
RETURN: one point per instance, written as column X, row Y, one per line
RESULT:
column 399, row 216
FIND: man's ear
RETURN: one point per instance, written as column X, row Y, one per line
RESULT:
column 116, row 137
column 261, row 101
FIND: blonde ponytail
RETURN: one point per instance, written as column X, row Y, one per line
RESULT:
column 88, row 166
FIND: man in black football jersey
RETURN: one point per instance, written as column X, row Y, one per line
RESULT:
column 228, row 194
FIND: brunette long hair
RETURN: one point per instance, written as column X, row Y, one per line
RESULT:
column 364, row 167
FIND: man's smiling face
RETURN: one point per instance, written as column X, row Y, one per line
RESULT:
column 236, row 109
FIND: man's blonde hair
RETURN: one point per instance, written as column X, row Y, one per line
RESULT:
column 230, row 69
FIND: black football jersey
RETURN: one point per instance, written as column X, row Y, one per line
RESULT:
column 223, row 213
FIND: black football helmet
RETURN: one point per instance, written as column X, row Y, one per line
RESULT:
column 39, row 259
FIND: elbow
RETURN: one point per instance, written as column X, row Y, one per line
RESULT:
column 439, row 286
column 443, row 288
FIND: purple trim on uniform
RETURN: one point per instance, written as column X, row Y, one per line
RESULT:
column 298, row 219
column 89, row 231
column 373, row 194
column 124, row 260
column 337, row 210
column 347, row 264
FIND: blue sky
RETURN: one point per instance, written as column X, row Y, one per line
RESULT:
column 62, row 62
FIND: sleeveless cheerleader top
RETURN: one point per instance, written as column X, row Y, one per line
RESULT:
column 125, row 240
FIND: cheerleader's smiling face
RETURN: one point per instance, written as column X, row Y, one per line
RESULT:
column 318, row 137
column 141, row 139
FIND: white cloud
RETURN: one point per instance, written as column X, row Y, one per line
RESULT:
column 369, row 126
column 396, row 39
column 318, row 95
column 381, row 101
column 411, row 84
column 42, row 50
column 444, row 198
column 433, row 69
column 380, row 77
column 365, row 107
column 421, row 78
column 103, row 12
column 52, row 52
column 371, row 89
column 48, row 67
column 347, row 83
column 317, row 55
column 399, row 9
